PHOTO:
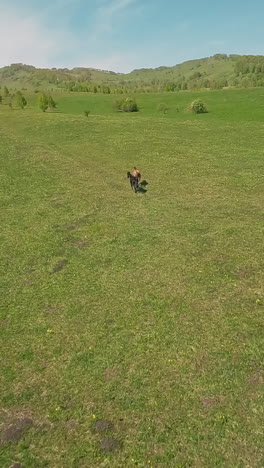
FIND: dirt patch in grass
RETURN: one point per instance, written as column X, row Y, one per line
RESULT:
column 50, row 310
column 28, row 282
column 72, row 425
column 71, row 227
column 43, row 364
column 109, row 445
column 210, row 402
column 78, row 223
column 244, row 272
column 158, row 450
column 60, row 265
column 111, row 373
column 255, row 379
column 14, row 432
column 81, row 244
column 16, row 465
column 4, row 323
column 102, row 425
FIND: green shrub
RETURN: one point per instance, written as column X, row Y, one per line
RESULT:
column 130, row 105
column 51, row 103
column 198, row 107
column 21, row 100
column 43, row 102
column 46, row 102
column 126, row 105
column 6, row 91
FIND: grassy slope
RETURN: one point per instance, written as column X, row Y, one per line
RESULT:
column 155, row 322
column 234, row 105
column 212, row 67
column 30, row 77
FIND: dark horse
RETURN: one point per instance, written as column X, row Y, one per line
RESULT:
column 133, row 181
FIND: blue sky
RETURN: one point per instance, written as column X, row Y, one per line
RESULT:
column 122, row 35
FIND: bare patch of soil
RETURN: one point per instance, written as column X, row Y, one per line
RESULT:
column 60, row 265
column 111, row 373
column 244, row 273
column 81, row 244
column 79, row 222
column 4, row 323
column 14, row 432
column 109, row 445
column 210, row 401
column 28, row 282
column 72, row 425
column 103, row 425
column 50, row 310
column 256, row 379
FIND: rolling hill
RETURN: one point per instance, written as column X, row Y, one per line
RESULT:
column 216, row 72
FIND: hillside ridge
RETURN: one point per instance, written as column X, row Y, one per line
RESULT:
column 215, row 72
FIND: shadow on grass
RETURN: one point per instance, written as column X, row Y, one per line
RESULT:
column 142, row 187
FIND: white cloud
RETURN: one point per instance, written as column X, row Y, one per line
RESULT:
column 103, row 53
column 109, row 14
column 25, row 38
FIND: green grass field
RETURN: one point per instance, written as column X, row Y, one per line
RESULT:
column 145, row 310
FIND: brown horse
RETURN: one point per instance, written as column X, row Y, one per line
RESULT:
column 133, row 181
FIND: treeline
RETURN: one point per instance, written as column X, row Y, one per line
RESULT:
column 250, row 64
column 249, row 71
column 197, row 81
column 10, row 99
column 78, row 87
column 115, row 88
column 45, row 100
column 193, row 83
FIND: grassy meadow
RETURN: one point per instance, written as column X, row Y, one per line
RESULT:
column 144, row 310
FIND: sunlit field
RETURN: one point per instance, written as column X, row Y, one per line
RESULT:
column 132, row 324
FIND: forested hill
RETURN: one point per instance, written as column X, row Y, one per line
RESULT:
column 216, row 72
